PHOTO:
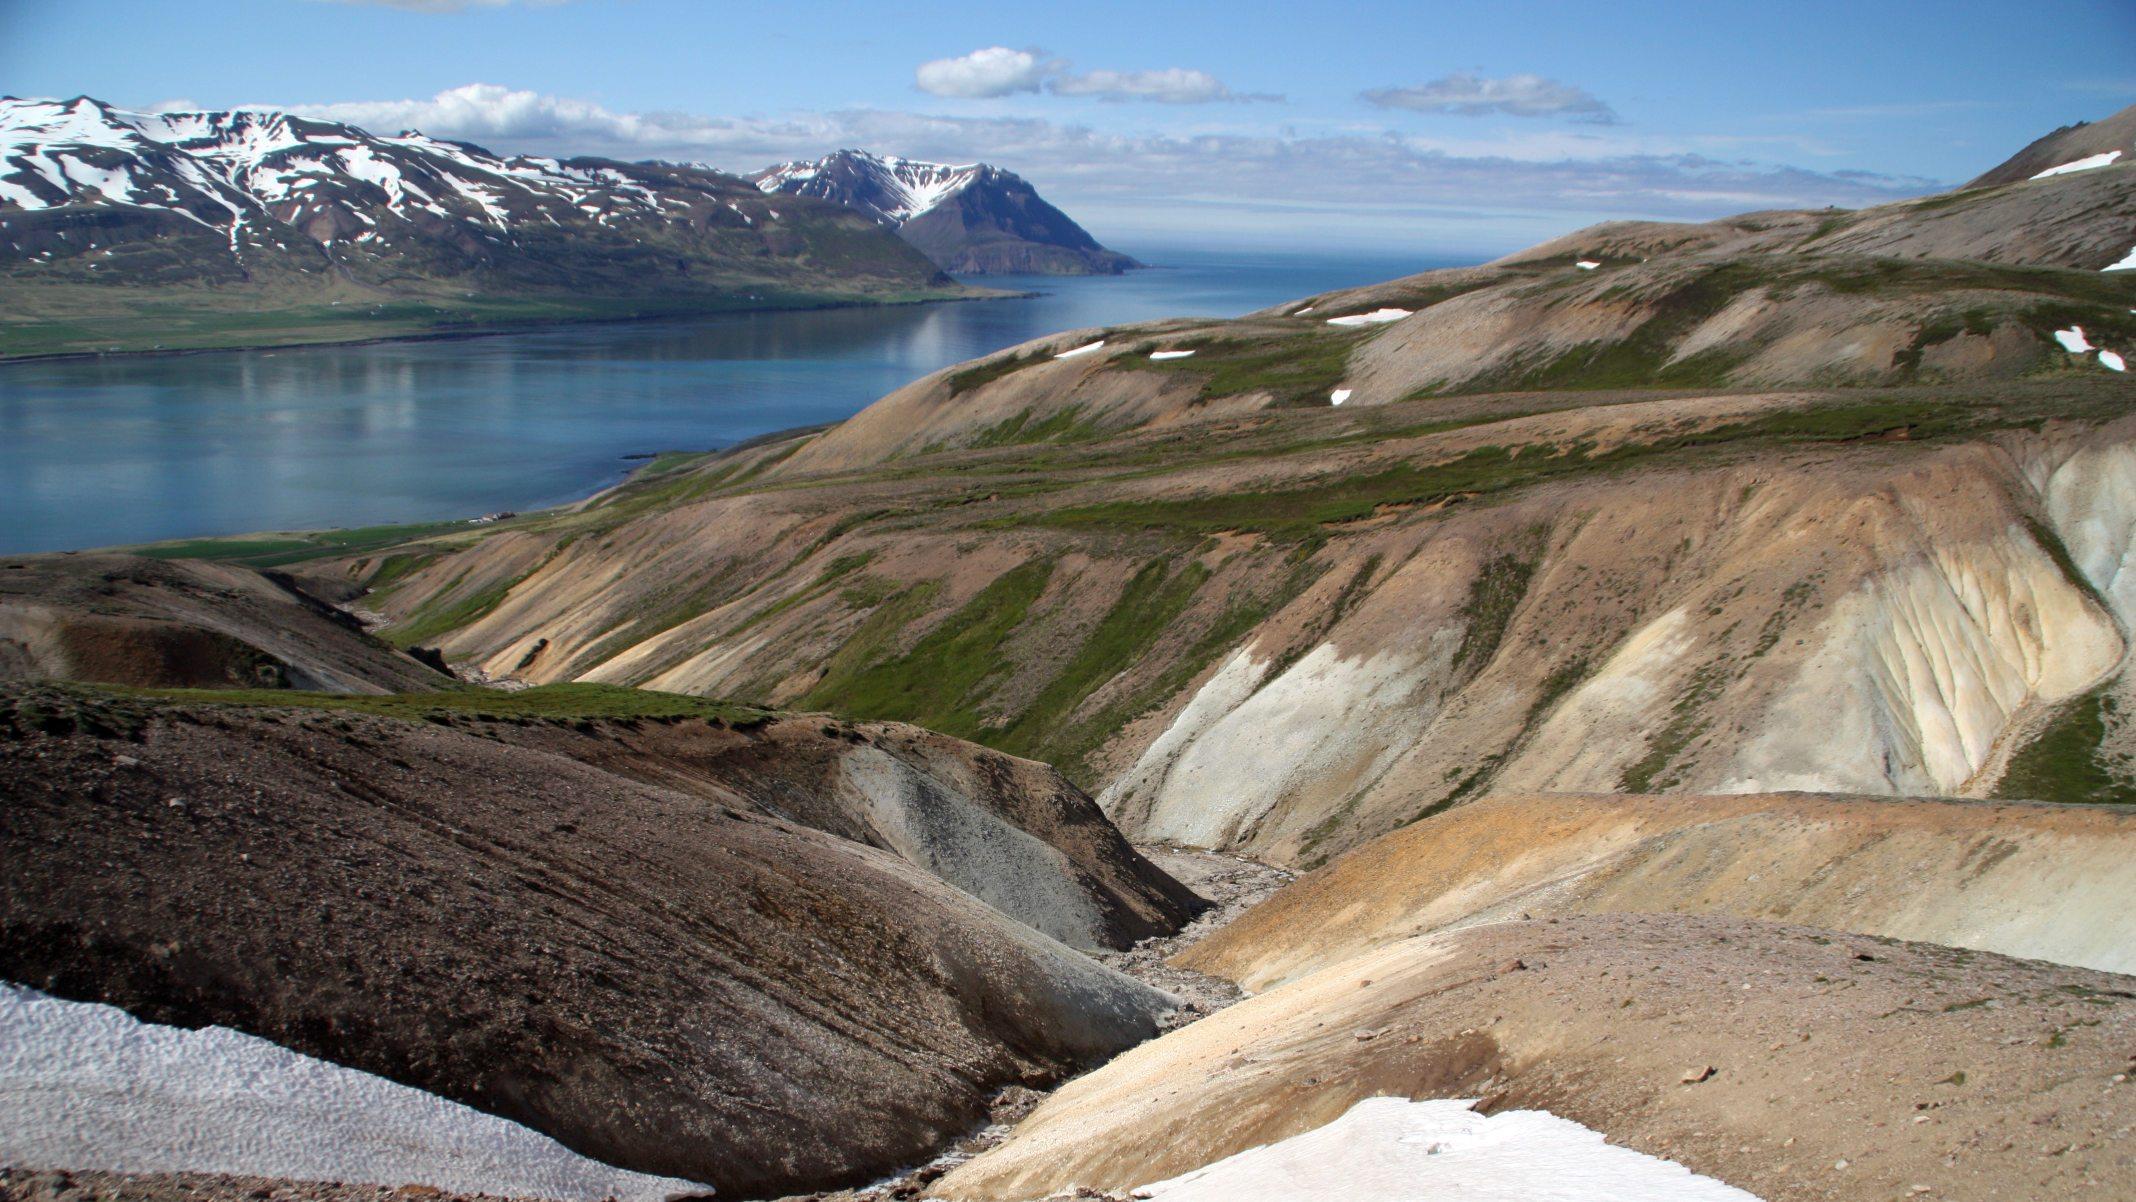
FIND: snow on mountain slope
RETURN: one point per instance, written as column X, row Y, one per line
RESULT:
column 89, row 192
column 970, row 218
column 278, row 165
column 890, row 189
column 223, row 168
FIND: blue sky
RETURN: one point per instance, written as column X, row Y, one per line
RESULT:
column 1455, row 128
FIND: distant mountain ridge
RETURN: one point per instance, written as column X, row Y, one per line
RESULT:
column 2082, row 146
column 95, row 195
column 969, row 218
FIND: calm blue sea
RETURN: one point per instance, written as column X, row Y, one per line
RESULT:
column 100, row 452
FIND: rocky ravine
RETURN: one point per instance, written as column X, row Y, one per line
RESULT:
column 659, row 980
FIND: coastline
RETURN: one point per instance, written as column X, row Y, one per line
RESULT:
column 971, row 292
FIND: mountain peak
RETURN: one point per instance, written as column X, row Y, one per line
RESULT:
column 226, row 196
column 2078, row 147
column 970, row 218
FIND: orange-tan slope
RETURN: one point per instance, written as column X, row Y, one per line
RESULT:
column 2044, row 882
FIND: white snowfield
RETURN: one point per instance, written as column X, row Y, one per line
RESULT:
column 1396, row 1150
column 85, row 1086
column 2084, row 164
column 1163, row 355
column 1587, row 264
column 2127, row 263
column 911, row 187
column 1338, row 396
column 1376, row 317
column 2112, row 362
column 1084, row 349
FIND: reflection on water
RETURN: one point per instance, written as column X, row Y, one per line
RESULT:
column 94, row 452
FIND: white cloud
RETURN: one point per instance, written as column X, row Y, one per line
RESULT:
column 990, row 72
column 1467, row 94
column 998, row 71
column 1173, row 85
column 1531, row 185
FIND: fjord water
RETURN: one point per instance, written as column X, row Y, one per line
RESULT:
column 132, row 449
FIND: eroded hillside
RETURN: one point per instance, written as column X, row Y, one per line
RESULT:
column 661, row 976
column 1830, row 501
column 1292, row 631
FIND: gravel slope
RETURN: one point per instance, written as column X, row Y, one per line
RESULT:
column 1791, row 1062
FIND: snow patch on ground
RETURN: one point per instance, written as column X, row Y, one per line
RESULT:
column 1162, row 355
column 1587, row 265
column 2112, row 362
column 1338, row 396
column 2084, row 164
column 1376, row 317
column 1084, row 349
column 2127, row 263
column 2072, row 340
column 1396, row 1150
column 86, row 1086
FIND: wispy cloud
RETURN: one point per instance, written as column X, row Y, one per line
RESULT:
column 1467, row 94
column 996, row 71
column 1173, row 85
column 1583, row 176
column 1898, row 111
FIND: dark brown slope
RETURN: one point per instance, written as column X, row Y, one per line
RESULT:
column 1012, row 832
column 125, row 619
column 2067, row 145
column 655, row 980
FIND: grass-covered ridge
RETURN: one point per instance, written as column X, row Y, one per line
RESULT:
column 552, row 702
column 1306, row 511
column 1293, row 368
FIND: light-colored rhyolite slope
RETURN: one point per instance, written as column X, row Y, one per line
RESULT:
column 1290, row 649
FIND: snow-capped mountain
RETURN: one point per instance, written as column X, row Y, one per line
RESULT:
column 95, row 192
column 970, row 218
column 890, row 189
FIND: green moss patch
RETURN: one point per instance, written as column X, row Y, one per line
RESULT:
column 2069, row 762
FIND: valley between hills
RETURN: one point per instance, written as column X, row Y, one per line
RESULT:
column 1667, row 688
